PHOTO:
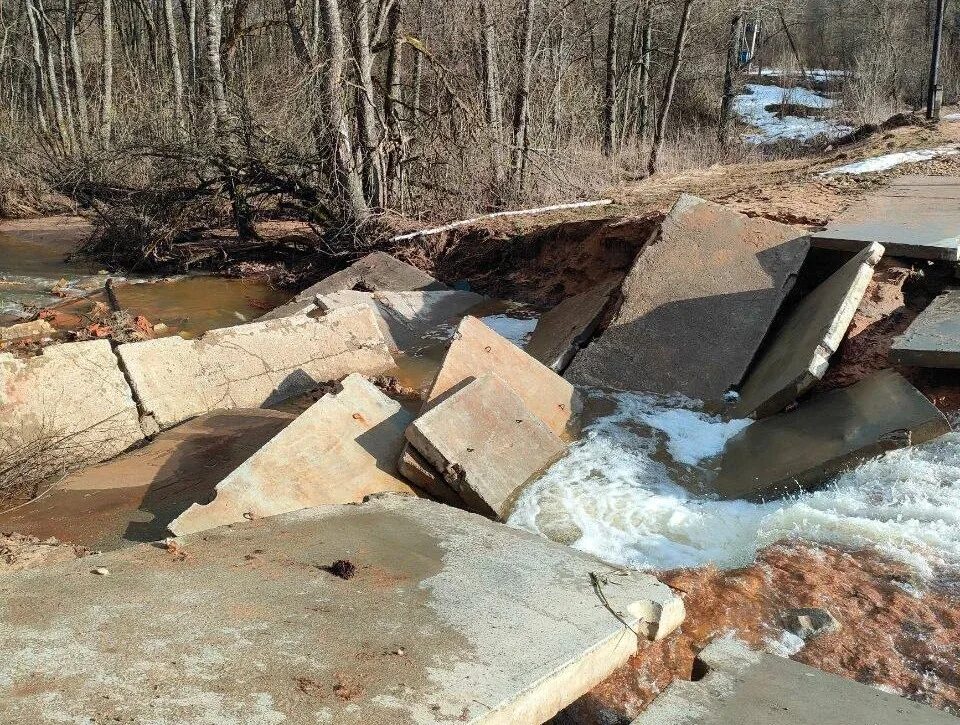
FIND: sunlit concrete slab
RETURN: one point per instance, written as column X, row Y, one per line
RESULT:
column 933, row 339
column 804, row 448
column 253, row 365
column 738, row 686
column 447, row 617
column 564, row 330
column 696, row 304
column 486, row 443
column 800, row 353
column 410, row 321
column 916, row 217
column 65, row 408
column 342, row 448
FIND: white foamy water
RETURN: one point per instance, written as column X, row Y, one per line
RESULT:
column 618, row 494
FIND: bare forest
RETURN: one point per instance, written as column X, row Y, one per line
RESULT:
column 171, row 117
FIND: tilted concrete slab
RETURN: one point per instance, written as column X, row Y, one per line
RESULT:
column 916, row 217
column 340, row 450
column 486, row 443
column 410, row 321
column 448, row 618
column 477, row 350
column 743, row 687
column 696, row 304
column 66, row 408
column 376, row 272
column 806, row 447
column 423, row 476
column 564, row 330
column 933, row 339
column 800, row 354
column 252, row 365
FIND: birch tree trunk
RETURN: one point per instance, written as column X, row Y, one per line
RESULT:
column 39, row 78
column 345, row 171
column 173, row 45
column 669, row 87
column 370, row 151
column 76, row 63
column 106, row 60
column 218, row 86
column 391, row 104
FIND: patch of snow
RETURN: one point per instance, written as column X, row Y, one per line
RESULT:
column 515, row 329
column 951, row 117
column 751, row 107
column 888, row 161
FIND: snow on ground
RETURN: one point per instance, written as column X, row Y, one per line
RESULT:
column 888, row 161
column 751, row 107
column 950, row 117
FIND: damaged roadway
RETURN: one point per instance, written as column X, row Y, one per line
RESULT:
column 446, row 617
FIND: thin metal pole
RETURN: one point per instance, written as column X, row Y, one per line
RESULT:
column 933, row 87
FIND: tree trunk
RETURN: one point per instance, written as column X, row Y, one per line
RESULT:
column 646, row 50
column 730, row 78
column 521, row 106
column 610, row 82
column 370, row 151
column 173, row 45
column 345, row 170
column 391, row 104
column 76, row 63
column 106, row 108
column 218, row 87
column 669, row 87
column 493, row 100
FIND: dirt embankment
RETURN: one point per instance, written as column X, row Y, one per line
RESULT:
column 892, row 635
column 19, row 552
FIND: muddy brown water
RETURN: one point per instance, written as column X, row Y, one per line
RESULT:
column 33, row 260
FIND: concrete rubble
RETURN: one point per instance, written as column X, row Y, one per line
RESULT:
column 377, row 272
column 343, row 448
column 800, row 353
column 399, row 610
column 476, row 351
column 696, row 304
column 23, row 330
column 737, row 686
column 809, row 622
column 806, row 447
column 917, row 217
column 410, row 321
column 486, row 443
column 252, row 365
column 564, row 330
column 68, row 407
column 933, row 339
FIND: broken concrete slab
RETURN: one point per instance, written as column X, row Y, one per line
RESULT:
column 447, row 617
column 917, row 217
column 65, row 408
column 696, row 304
column 738, row 686
column 809, row 622
column 133, row 497
column 799, row 355
column 486, row 443
column 933, row 339
column 23, row 330
column 564, row 330
column 418, row 471
column 410, row 321
column 804, row 448
column 477, row 350
column 340, row 450
column 252, row 365
column 377, row 272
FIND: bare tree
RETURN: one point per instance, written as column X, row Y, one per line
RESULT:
column 493, row 98
column 669, row 87
column 106, row 61
column 609, row 86
column 730, row 77
column 521, row 105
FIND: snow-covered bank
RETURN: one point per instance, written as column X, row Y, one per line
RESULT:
column 751, row 107
column 888, row 161
column 623, row 494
